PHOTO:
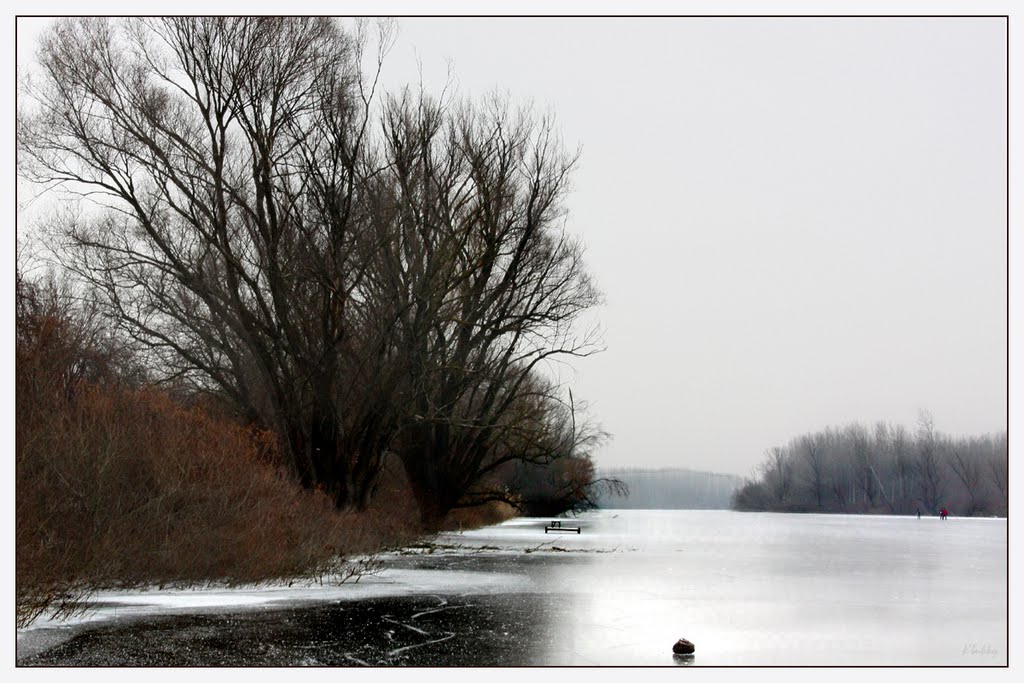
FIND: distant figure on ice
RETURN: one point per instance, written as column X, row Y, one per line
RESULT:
column 943, row 513
column 919, row 513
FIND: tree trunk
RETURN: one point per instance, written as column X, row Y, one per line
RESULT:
column 431, row 487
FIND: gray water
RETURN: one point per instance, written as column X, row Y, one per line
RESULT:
column 748, row 589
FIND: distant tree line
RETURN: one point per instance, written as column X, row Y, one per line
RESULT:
column 670, row 489
column 884, row 469
column 368, row 278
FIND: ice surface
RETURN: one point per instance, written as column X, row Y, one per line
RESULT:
column 746, row 588
column 387, row 583
column 774, row 589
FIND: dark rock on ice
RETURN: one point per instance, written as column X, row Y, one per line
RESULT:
column 683, row 647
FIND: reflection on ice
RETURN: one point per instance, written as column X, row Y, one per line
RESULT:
column 773, row 589
column 745, row 588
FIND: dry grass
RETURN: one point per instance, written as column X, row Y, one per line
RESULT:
column 119, row 486
column 482, row 515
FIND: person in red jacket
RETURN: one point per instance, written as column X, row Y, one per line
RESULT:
column 943, row 513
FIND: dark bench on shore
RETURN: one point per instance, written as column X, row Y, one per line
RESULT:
column 557, row 526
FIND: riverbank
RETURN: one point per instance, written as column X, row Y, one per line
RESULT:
column 423, row 567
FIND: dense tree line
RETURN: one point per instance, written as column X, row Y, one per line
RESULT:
column 368, row 277
column 885, row 469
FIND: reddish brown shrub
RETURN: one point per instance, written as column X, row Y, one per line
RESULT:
column 493, row 512
column 121, row 487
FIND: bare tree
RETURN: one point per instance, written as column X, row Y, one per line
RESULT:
column 842, row 470
column 777, row 471
column 968, row 472
column 863, row 462
column 997, row 471
column 814, row 460
column 483, row 286
column 225, row 158
column 903, row 469
column 928, row 465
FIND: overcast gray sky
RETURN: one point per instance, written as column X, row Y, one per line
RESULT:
column 796, row 222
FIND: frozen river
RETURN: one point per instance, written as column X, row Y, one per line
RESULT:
column 745, row 588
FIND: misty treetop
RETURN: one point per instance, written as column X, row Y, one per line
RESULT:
column 887, row 469
column 364, row 274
